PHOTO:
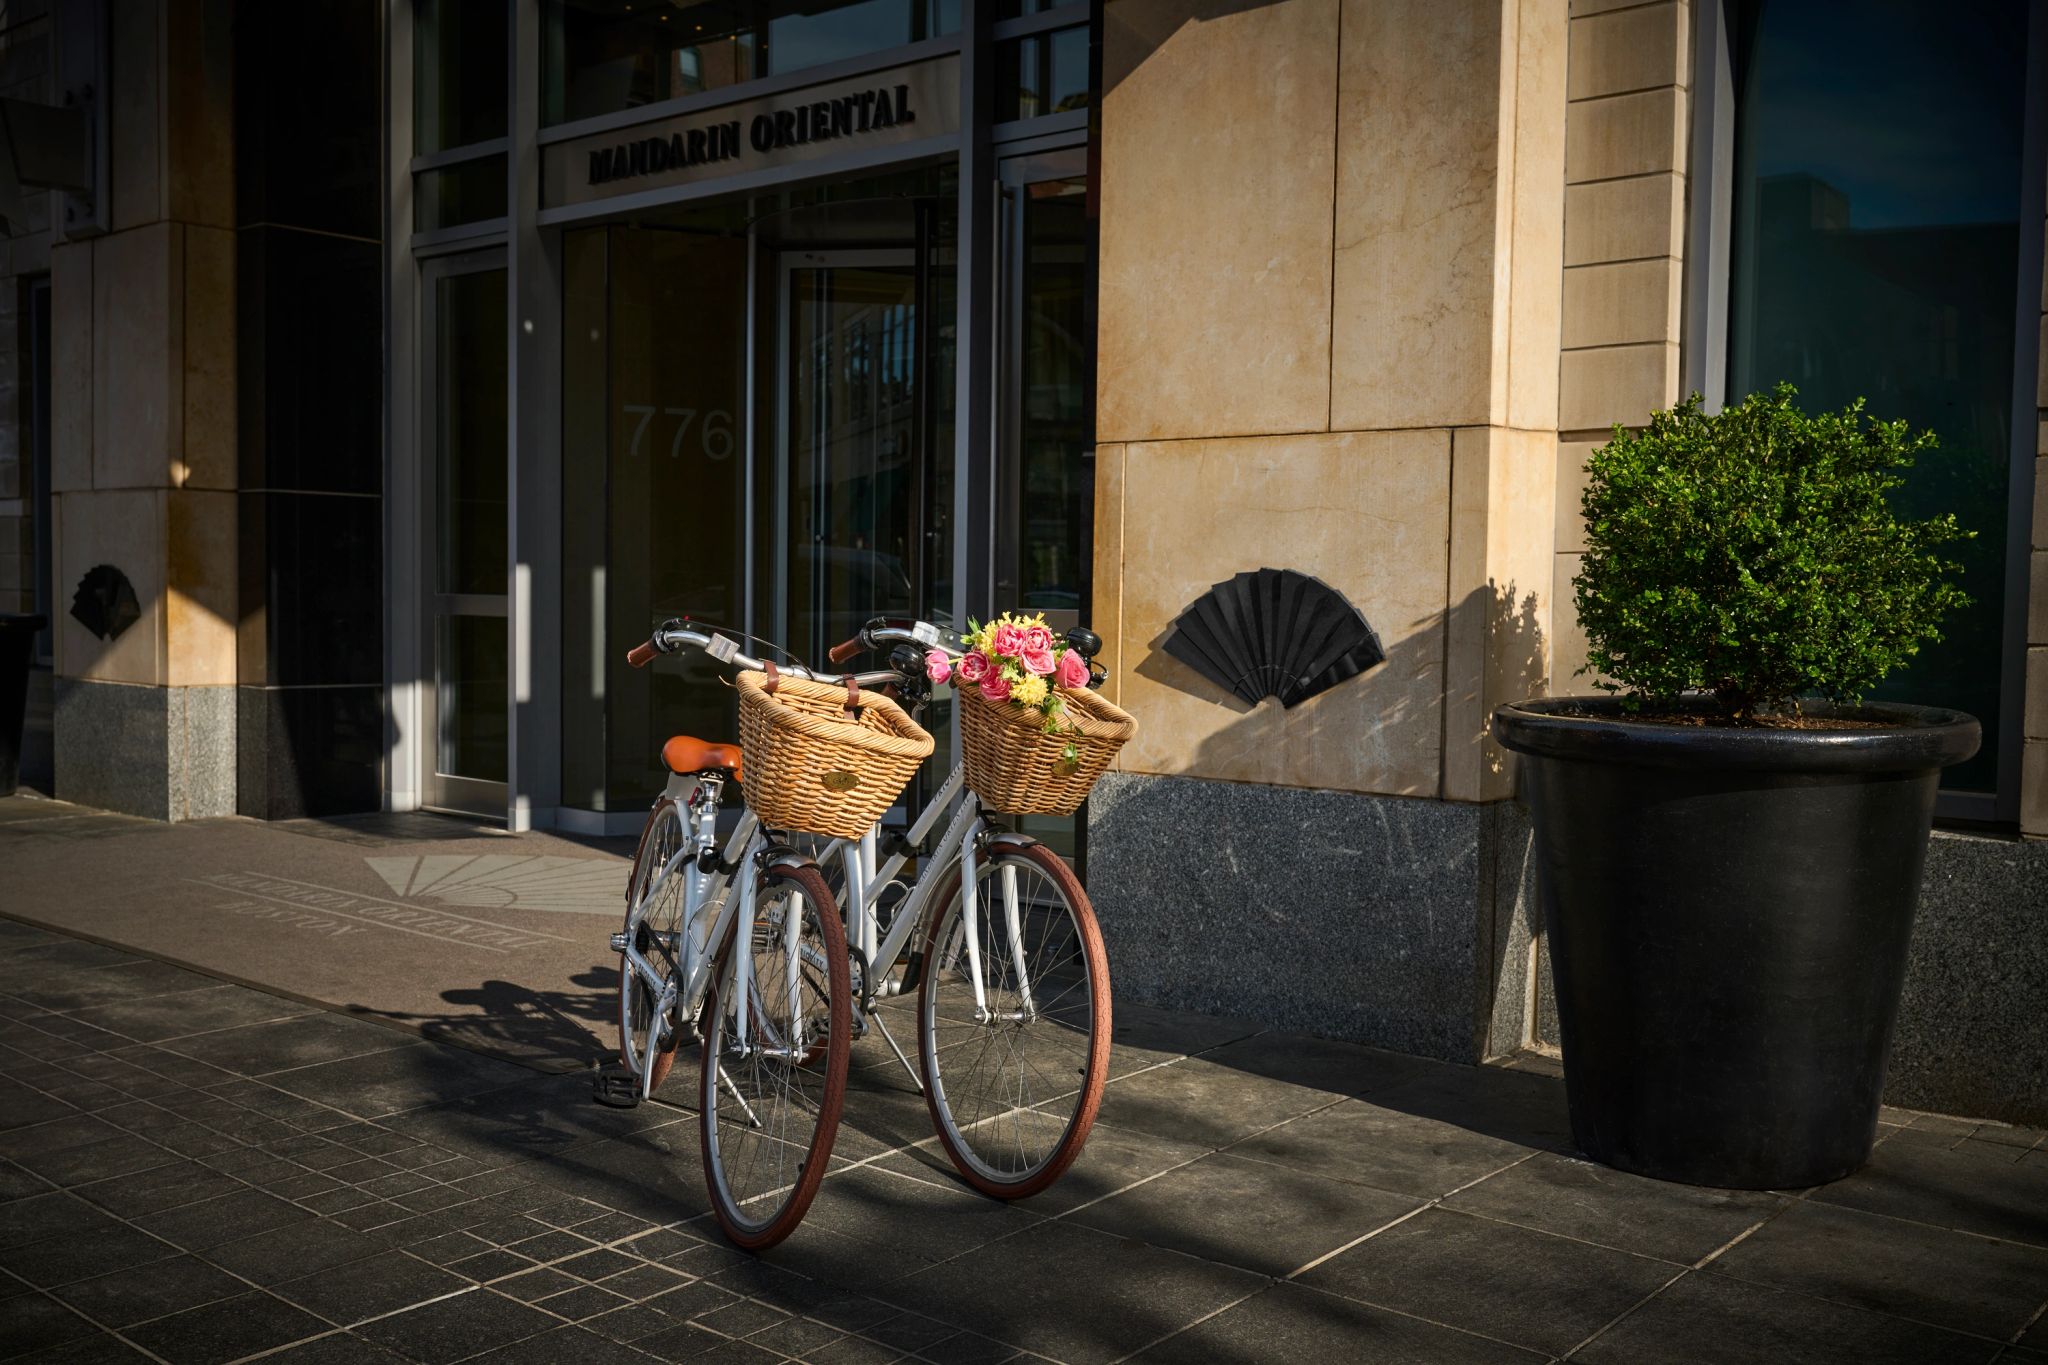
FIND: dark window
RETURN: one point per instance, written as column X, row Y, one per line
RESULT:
column 1876, row 235
column 467, row 192
column 459, row 69
column 602, row 56
column 1045, row 73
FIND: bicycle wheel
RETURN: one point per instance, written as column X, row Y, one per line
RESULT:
column 770, row 1103
column 655, row 925
column 1014, row 1093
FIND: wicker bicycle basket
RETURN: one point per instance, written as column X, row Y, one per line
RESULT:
column 811, row 769
column 1016, row 768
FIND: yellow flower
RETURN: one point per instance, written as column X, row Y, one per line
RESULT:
column 1030, row 691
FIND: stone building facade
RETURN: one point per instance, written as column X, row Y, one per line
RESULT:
column 377, row 402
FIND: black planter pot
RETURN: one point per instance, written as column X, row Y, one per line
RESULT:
column 1728, row 912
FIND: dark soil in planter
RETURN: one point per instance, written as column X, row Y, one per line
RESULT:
column 1714, row 720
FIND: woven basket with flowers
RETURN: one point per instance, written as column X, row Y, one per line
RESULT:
column 1033, row 737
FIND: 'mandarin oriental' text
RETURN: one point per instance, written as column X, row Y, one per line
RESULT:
column 819, row 121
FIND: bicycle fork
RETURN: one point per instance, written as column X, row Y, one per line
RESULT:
column 970, row 921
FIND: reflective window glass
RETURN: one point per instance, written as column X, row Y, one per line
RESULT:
column 1876, row 242
column 467, row 192
column 654, row 426
column 1055, row 481
column 459, row 70
column 469, row 674
column 470, row 433
column 602, row 56
column 1046, row 73
column 849, row 511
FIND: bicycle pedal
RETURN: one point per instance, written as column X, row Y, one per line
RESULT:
column 615, row 1086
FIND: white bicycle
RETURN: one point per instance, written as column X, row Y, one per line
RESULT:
column 741, row 944
column 999, row 942
column 996, row 940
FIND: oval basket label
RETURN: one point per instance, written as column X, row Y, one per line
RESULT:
column 840, row 780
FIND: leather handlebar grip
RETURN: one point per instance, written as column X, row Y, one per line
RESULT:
column 642, row 655
column 844, row 650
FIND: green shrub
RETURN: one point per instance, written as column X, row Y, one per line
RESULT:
column 1753, row 555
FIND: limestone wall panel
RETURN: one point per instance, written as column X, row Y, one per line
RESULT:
column 1365, row 512
column 1214, row 282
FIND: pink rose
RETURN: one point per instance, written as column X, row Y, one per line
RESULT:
column 995, row 686
column 1073, row 670
column 973, row 667
column 938, row 666
column 1038, row 637
column 1038, row 659
column 1008, row 640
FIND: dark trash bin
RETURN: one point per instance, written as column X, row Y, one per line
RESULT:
column 17, row 647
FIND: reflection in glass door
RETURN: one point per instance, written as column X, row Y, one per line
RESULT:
column 852, row 470
column 464, row 547
column 1045, row 486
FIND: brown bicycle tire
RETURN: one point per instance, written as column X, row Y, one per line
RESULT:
column 1097, row 1071
column 831, row 1105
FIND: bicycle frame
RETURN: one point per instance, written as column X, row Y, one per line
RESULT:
column 965, row 834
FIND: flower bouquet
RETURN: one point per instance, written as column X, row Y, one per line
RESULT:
column 1033, row 736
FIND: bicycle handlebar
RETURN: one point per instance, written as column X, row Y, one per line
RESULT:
column 674, row 635
column 877, row 633
column 925, row 637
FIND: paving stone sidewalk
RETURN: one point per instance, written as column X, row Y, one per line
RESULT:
column 193, row 1171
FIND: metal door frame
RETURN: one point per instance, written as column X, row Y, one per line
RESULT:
column 441, row 791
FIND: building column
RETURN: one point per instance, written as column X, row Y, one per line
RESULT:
column 144, row 441
column 1345, row 364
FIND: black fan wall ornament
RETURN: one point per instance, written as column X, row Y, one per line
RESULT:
column 1274, row 633
column 105, row 602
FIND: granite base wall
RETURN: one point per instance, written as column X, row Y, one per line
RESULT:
column 163, row 752
column 1973, row 1025
column 1398, row 922
column 1413, row 924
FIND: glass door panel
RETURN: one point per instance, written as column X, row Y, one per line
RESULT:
column 466, row 714
column 853, row 543
column 654, row 478
column 1045, row 512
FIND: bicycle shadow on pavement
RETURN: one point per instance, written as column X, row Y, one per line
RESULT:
column 548, row 1029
